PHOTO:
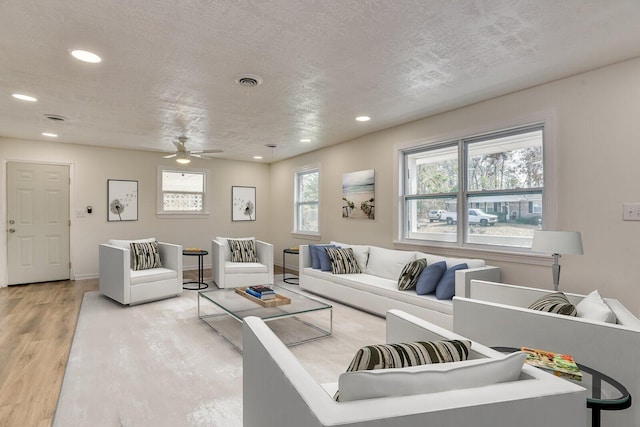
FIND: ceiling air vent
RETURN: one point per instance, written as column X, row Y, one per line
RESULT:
column 55, row 117
column 248, row 80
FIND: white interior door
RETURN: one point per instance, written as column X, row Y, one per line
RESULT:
column 37, row 222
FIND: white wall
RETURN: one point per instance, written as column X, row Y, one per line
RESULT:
column 91, row 168
column 596, row 119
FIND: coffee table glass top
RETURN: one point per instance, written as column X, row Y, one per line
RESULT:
column 240, row 307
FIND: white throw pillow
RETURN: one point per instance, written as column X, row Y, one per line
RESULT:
column 593, row 307
column 388, row 263
column 432, row 378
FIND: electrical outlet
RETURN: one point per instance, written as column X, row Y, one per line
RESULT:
column 631, row 211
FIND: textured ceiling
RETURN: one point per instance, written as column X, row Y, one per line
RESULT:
column 169, row 66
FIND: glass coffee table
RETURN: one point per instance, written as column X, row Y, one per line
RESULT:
column 296, row 320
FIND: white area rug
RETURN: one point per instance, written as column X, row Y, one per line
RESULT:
column 157, row 364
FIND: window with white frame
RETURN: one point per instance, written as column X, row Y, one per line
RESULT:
column 306, row 201
column 181, row 192
column 481, row 190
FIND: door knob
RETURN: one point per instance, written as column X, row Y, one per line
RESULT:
column 12, row 230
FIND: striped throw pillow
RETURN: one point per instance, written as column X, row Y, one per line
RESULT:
column 555, row 302
column 243, row 250
column 410, row 273
column 384, row 356
column 342, row 260
column 145, row 255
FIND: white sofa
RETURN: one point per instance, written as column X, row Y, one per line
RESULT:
column 376, row 290
column 228, row 274
column 279, row 392
column 127, row 286
column 496, row 314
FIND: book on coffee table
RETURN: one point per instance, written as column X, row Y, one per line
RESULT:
column 560, row 365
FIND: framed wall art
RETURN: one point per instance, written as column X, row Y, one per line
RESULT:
column 122, row 200
column 358, row 194
column 243, row 203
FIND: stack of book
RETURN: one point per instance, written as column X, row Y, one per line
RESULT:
column 261, row 291
column 560, row 365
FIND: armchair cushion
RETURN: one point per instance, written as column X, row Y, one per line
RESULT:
column 126, row 244
column 429, row 378
column 243, row 250
column 145, row 255
column 556, row 302
column 402, row 355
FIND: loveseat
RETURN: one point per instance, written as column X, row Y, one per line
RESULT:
column 279, row 392
column 497, row 314
column 376, row 289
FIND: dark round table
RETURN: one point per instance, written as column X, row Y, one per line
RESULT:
column 294, row 280
column 603, row 392
column 200, row 283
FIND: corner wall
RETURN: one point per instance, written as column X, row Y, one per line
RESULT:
column 597, row 126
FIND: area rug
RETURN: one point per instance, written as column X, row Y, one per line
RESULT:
column 157, row 364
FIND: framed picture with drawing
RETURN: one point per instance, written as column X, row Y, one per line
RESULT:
column 122, row 200
column 243, row 203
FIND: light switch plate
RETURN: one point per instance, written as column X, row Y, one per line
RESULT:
column 631, row 211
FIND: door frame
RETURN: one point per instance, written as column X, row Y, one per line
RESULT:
column 4, row 259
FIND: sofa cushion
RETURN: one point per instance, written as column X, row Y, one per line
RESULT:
column 242, row 250
column 387, row 263
column 446, row 287
column 145, row 255
column 342, row 261
column 315, row 256
column 401, row 355
column 410, row 273
column 593, row 307
column 555, row 302
column 429, row 378
column 360, row 252
column 429, row 277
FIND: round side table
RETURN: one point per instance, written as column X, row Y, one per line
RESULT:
column 294, row 280
column 200, row 283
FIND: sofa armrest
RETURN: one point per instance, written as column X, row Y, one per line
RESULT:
column 217, row 263
column 114, row 272
column 464, row 278
column 264, row 251
column 171, row 257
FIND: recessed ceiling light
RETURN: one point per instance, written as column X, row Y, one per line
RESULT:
column 50, row 135
column 24, row 97
column 305, row 140
column 257, row 157
column 86, row 56
column 363, row 118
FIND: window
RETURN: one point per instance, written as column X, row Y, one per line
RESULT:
column 497, row 178
column 306, row 201
column 181, row 192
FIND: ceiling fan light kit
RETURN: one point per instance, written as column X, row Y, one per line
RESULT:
column 183, row 156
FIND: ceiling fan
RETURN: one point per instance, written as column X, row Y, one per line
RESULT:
column 183, row 155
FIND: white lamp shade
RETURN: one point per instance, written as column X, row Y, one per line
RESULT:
column 557, row 242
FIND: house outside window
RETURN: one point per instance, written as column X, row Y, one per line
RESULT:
column 306, row 201
column 181, row 192
column 496, row 178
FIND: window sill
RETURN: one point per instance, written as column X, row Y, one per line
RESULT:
column 515, row 255
column 307, row 236
column 175, row 215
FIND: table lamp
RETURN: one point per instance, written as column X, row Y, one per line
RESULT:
column 557, row 243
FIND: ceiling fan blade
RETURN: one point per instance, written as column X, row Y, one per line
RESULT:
column 212, row 151
column 169, row 156
column 196, row 155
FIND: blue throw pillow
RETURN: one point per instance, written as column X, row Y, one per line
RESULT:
column 429, row 278
column 325, row 261
column 446, row 288
column 315, row 251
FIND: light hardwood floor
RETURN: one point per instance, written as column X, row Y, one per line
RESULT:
column 37, row 323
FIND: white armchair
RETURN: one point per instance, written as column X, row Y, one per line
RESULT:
column 279, row 391
column 228, row 274
column 121, row 283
